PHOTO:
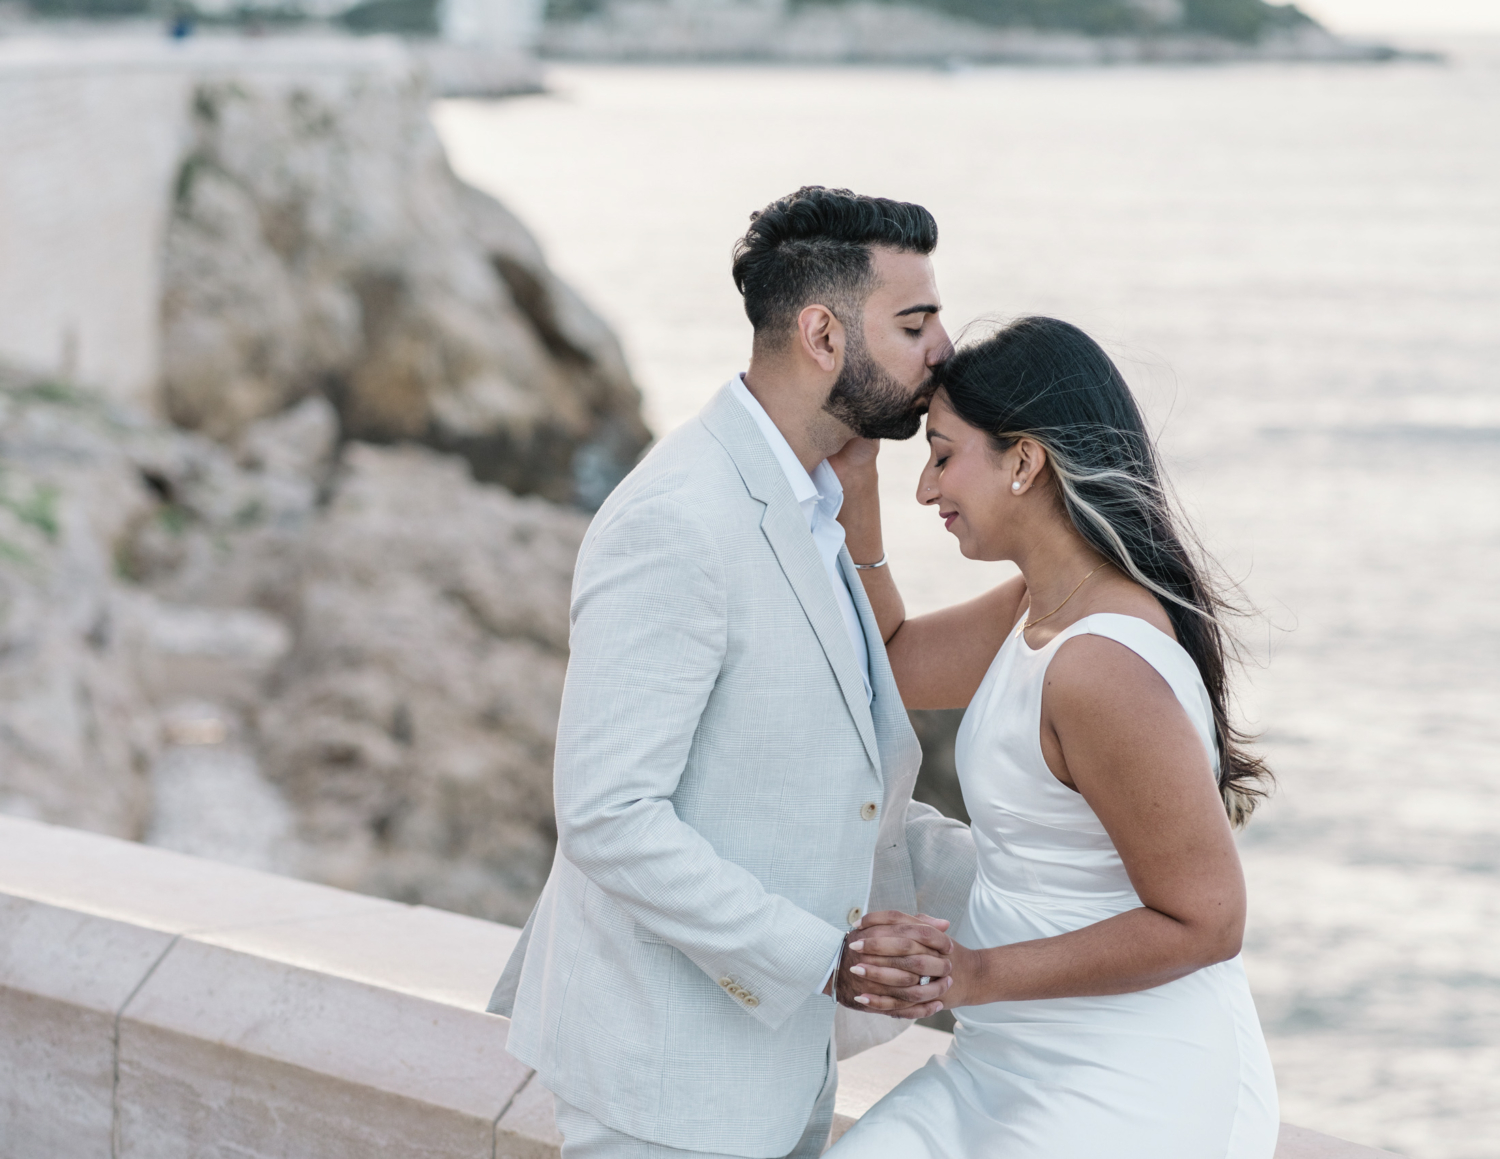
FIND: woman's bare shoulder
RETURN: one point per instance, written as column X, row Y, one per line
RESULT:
column 1098, row 675
column 1124, row 597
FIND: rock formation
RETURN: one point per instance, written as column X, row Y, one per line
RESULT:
column 937, row 784
column 381, row 638
column 314, row 619
column 320, row 244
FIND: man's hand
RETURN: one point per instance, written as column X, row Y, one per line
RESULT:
column 896, row 964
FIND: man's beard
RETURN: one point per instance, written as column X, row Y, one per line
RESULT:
column 871, row 403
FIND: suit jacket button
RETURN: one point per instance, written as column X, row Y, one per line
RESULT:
column 868, row 810
column 752, row 1001
column 854, row 915
column 726, row 983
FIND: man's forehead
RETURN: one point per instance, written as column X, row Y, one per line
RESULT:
column 905, row 279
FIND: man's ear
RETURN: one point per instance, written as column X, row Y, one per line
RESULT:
column 820, row 337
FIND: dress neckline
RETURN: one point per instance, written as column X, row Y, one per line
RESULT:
column 1020, row 631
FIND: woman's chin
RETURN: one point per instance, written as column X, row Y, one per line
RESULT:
column 976, row 551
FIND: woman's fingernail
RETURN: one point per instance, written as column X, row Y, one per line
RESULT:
column 857, row 946
column 860, row 970
column 862, row 999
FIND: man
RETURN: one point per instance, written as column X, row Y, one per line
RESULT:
column 734, row 764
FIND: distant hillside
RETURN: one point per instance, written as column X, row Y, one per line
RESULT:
column 1243, row 20
column 1238, row 20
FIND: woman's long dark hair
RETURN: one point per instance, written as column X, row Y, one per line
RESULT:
column 1045, row 380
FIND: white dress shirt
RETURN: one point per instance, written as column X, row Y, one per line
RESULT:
column 820, row 495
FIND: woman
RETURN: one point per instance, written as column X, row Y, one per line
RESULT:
column 1102, row 1009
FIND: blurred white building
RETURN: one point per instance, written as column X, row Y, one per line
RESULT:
column 491, row 24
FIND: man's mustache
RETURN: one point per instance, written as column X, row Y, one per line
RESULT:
column 923, row 398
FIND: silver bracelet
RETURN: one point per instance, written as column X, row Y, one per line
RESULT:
column 868, row 566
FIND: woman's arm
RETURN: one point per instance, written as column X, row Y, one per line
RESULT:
column 1117, row 733
column 860, row 515
column 938, row 659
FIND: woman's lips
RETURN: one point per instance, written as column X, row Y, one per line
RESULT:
column 948, row 518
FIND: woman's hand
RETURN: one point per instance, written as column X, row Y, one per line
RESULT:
column 856, row 462
column 860, row 515
column 896, row 964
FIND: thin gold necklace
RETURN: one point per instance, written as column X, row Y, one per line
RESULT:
column 1033, row 623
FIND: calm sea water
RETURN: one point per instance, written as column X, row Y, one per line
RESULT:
column 1299, row 270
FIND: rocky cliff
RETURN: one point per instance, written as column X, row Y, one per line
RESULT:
column 320, row 244
column 313, row 616
column 330, row 658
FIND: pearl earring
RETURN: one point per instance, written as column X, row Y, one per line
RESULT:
column 1015, row 486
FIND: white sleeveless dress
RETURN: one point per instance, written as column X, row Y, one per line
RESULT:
column 1176, row 1072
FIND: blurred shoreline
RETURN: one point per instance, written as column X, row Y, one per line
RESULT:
column 659, row 32
column 864, row 32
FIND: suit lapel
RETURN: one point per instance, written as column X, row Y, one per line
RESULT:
column 882, row 682
column 786, row 531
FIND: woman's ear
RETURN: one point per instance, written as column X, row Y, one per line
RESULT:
column 1030, row 461
column 821, row 337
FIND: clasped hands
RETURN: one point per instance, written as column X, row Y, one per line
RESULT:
column 897, row 964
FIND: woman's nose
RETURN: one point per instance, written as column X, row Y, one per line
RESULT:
column 927, row 492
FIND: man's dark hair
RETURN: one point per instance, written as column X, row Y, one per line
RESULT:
column 813, row 246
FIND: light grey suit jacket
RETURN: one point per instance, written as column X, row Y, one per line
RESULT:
column 725, row 799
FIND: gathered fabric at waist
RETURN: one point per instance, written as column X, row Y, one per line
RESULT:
column 998, row 916
column 1183, row 1008
column 1083, row 871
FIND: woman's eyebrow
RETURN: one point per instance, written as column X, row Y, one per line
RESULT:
column 932, row 434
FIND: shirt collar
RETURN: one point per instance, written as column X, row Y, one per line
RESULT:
column 822, row 486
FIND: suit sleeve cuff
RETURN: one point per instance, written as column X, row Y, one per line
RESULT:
column 832, row 969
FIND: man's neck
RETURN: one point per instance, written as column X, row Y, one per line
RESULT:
column 797, row 410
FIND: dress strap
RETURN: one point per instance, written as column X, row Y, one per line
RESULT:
column 1167, row 656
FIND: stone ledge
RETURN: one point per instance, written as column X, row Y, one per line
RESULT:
column 187, row 1008
column 156, row 1006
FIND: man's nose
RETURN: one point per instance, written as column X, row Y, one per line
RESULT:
column 942, row 347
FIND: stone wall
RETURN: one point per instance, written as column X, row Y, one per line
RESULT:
column 154, row 1006
column 89, row 142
